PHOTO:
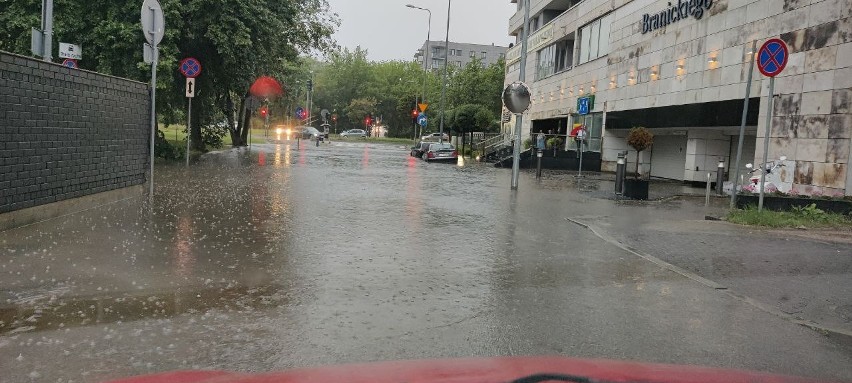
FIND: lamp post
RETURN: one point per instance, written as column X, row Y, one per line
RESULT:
column 446, row 62
column 425, row 56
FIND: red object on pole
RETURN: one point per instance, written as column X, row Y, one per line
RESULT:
column 264, row 111
column 266, row 86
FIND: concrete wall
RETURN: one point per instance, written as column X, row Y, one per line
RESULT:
column 66, row 133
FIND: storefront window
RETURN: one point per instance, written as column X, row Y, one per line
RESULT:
column 594, row 126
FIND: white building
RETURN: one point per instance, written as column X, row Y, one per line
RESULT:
column 680, row 67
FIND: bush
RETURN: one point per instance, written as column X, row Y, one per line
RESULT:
column 164, row 149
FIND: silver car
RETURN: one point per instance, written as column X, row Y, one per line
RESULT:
column 354, row 133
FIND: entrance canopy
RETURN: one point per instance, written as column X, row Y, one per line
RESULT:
column 707, row 114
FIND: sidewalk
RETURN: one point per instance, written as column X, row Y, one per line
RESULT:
column 804, row 276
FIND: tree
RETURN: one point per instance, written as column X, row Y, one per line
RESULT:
column 639, row 138
column 360, row 108
column 235, row 40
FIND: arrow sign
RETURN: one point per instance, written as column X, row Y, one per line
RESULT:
column 190, row 87
column 423, row 106
column 422, row 120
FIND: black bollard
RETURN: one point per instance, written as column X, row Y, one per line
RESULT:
column 620, row 172
column 539, row 154
column 720, row 177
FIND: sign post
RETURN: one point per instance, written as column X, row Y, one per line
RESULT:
column 190, row 68
column 771, row 60
column 735, row 180
column 153, row 28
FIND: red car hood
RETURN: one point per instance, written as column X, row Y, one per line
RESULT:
column 487, row 370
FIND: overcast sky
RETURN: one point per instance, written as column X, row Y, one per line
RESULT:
column 391, row 31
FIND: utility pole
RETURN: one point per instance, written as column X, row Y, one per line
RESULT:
column 47, row 28
column 446, row 62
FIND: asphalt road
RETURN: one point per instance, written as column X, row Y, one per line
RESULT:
column 353, row 252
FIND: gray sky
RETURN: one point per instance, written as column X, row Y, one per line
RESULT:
column 391, row 31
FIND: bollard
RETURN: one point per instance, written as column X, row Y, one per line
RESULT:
column 318, row 141
column 720, row 177
column 297, row 142
column 620, row 173
column 707, row 197
column 539, row 154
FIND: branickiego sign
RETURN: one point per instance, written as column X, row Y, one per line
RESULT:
column 674, row 13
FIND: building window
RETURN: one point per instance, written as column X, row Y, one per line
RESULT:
column 472, row 54
column 555, row 58
column 502, row 56
column 458, row 64
column 594, row 39
column 484, row 55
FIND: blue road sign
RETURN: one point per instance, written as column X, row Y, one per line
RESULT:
column 772, row 57
column 422, row 120
column 583, row 105
column 300, row 113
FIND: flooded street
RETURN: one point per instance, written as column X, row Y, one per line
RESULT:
column 351, row 252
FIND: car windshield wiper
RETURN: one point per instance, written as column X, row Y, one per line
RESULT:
column 538, row 378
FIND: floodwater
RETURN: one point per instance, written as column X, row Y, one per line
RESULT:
column 290, row 256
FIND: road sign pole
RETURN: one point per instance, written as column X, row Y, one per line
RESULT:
column 735, row 181
column 766, row 143
column 47, row 29
column 153, row 114
column 516, row 151
column 188, row 129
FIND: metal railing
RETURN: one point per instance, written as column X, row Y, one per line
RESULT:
column 493, row 144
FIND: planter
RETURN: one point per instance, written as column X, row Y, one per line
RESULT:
column 778, row 203
column 636, row 189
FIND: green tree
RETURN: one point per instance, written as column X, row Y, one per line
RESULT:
column 360, row 108
column 235, row 40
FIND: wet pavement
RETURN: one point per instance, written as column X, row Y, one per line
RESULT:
column 289, row 257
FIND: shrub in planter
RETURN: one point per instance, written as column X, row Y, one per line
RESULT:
column 639, row 139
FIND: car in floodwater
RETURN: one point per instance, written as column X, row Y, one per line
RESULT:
column 440, row 152
column 311, row 133
column 417, row 150
column 354, row 133
column 435, row 137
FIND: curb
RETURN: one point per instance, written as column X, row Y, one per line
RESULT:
column 839, row 334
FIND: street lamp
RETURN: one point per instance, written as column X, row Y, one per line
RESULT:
column 425, row 55
column 446, row 62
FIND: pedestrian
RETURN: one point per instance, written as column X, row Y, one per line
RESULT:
column 540, row 141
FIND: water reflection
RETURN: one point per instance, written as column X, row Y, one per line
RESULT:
column 365, row 159
column 182, row 250
column 111, row 308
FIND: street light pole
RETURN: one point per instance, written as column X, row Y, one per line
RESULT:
column 446, row 62
column 425, row 56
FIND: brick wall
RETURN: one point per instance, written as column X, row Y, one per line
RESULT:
column 67, row 133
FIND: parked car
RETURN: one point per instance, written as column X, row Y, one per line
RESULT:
column 440, row 152
column 311, row 133
column 417, row 150
column 435, row 137
column 354, row 133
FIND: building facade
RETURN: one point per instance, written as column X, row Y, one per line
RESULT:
column 680, row 68
column 459, row 54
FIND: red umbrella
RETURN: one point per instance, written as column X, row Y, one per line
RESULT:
column 266, row 86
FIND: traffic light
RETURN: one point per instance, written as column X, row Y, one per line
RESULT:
column 264, row 112
column 414, row 113
column 368, row 121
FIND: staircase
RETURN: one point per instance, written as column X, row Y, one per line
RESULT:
column 495, row 148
